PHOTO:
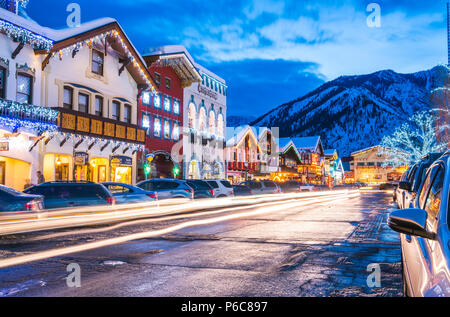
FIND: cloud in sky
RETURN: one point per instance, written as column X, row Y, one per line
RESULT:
column 315, row 40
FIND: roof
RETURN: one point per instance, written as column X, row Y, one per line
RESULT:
column 234, row 136
column 366, row 149
column 329, row 152
column 210, row 73
column 284, row 143
column 177, row 57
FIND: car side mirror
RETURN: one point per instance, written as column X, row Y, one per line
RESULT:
column 405, row 186
column 411, row 222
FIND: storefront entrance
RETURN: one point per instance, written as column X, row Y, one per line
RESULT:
column 162, row 166
column 99, row 170
column 14, row 173
column 121, row 169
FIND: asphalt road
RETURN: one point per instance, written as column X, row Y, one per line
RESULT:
column 315, row 249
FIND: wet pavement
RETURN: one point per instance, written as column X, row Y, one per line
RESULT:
column 316, row 250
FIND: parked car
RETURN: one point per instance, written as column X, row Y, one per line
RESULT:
column 425, row 235
column 263, row 187
column 398, row 191
column 408, row 189
column 296, row 187
column 222, row 188
column 202, row 189
column 128, row 194
column 72, row 194
column 241, row 190
column 308, row 188
column 12, row 200
column 168, row 188
column 388, row 186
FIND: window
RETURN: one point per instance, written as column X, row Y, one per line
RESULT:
column 157, row 127
column 146, row 98
column 167, row 129
column 83, row 103
column 2, row 82
column 115, row 110
column 168, row 83
column 176, row 107
column 127, row 114
column 99, row 106
column 97, row 62
column 157, row 101
column 157, row 79
column 146, row 122
column 167, row 103
column 24, row 88
column 68, row 98
column 176, row 131
column 433, row 202
column 426, row 186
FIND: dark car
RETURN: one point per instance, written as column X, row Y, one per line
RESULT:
column 407, row 190
column 425, row 235
column 242, row 190
column 12, row 200
column 201, row 189
column 167, row 188
column 72, row 194
column 128, row 194
column 291, row 187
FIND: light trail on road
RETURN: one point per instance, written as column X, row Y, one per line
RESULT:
column 256, row 210
column 13, row 224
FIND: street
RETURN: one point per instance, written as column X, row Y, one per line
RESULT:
column 308, row 247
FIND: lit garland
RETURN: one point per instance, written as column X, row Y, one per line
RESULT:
column 13, row 124
column 90, row 42
column 25, row 36
column 31, row 112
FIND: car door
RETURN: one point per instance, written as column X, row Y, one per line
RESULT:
column 121, row 193
column 416, row 251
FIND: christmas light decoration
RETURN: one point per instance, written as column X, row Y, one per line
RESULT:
column 25, row 36
column 26, row 111
column 13, row 124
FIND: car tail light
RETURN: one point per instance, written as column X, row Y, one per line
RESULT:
column 30, row 206
column 154, row 196
column 111, row 200
column 212, row 192
column 251, row 192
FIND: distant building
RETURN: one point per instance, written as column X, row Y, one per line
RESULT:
column 334, row 170
column 312, row 166
column 374, row 168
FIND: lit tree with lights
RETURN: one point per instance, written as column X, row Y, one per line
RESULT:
column 440, row 104
column 412, row 140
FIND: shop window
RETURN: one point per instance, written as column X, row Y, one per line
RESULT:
column 98, row 59
column 146, row 122
column 167, row 103
column 83, row 103
column 167, row 129
column 115, row 110
column 2, row 82
column 99, row 106
column 24, row 88
column 212, row 123
column 157, row 79
column 68, row 98
column 168, row 83
column 2, row 172
column 176, row 107
column 191, row 117
column 157, row 127
column 127, row 114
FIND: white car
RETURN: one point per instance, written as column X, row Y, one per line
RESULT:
column 307, row 188
column 222, row 188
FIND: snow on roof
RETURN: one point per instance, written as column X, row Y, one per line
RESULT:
column 365, row 150
column 169, row 50
column 306, row 143
column 284, row 143
column 235, row 135
column 209, row 73
column 330, row 152
column 25, row 23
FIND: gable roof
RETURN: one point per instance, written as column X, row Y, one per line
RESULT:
column 311, row 144
column 234, row 136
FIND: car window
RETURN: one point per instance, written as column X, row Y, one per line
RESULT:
column 433, row 201
column 198, row 185
column 254, row 185
column 270, row 184
column 426, row 186
column 69, row 192
column 117, row 189
column 226, row 184
column 213, row 184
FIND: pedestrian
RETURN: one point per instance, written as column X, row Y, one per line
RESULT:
column 40, row 177
column 27, row 184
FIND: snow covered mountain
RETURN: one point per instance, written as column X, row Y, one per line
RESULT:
column 236, row 121
column 355, row 112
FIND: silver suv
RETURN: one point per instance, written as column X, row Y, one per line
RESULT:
column 263, row 187
column 168, row 188
column 222, row 188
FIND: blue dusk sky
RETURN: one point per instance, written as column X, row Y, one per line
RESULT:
column 269, row 51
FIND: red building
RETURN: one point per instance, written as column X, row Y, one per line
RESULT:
column 161, row 114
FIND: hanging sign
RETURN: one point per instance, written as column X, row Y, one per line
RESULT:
column 117, row 161
column 4, row 146
column 81, row 158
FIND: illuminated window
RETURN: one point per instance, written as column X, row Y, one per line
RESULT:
column 176, row 107
column 24, row 88
column 157, row 127
column 202, row 120
column 192, row 114
column 97, row 62
column 2, row 82
column 176, row 131
column 157, row 101
column 146, row 122
column 212, row 123
column 146, row 98
column 167, row 103
column 157, row 79
column 167, row 129
column 168, row 83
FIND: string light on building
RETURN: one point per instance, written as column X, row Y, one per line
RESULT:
column 25, row 36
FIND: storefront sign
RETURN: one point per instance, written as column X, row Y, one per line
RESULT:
column 117, row 161
column 81, row 158
column 207, row 92
column 4, row 146
column 83, row 124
